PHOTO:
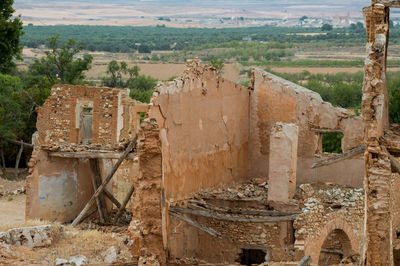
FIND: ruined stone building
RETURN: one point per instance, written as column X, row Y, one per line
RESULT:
column 229, row 174
column 78, row 128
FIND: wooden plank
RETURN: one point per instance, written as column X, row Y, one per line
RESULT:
column 332, row 251
column 241, row 212
column 89, row 155
column 112, row 198
column 212, row 215
column 394, row 163
column 16, row 142
column 95, row 186
column 356, row 151
column 21, row 149
column 124, row 203
column 89, row 214
column 326, row 130
column 96, row 180
column 195, row 224
column 305, row 261
column 105, row 182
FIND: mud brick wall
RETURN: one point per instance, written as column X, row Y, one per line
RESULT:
column 273, row 100
column 146, row 226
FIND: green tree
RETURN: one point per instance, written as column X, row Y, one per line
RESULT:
column 326, row 27
column 10, row 108
column 218, row 64
column 10, row 32
column 62, row 63
column 116, row 70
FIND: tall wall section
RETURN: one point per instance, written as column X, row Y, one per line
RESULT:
column 204, row 129
column 274, row 99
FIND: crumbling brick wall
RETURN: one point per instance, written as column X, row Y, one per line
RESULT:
column 115, row 116
column 146, row 225
column 273, row 100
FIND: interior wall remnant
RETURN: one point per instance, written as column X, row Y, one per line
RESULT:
column 146, row 226
column 54, row 189
column 378, row 225
column 273, row 100
column 283, row 162
column 204, row 126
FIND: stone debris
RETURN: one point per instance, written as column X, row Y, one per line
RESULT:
column 110, row 255
column 149, row 260
column 35, row 236
column 73, row 261
column 19, row 191
column 256, row 189
column 319, row 201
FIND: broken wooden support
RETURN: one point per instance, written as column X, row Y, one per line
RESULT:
column 195, row 224
column 16, row 142
column 346, row 155
column 332, row 251
column 105, row 182
column 95, row 182
column 394, row 163
column 305, row 261
column 21, row 149
column 90, row 213
column 212, row 215
column 328, row 261
column 112, row 198
column 89, row 155
column 124, row 203
column 197, row 205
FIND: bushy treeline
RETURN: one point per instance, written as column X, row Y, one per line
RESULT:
column 145, row 39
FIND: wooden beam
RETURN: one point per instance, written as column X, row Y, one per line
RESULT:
column 305, row 261
column 195, row 224
column 241, row 212
column 105, row 182
column 94, row 166
column 216, row 216
column 124, row 203
column 89, row 214
column 332, row 251
column 326, row 130
column 341, row 157
column 394, row 163
column 112, row 198
column 90, row 155
column 16, row 142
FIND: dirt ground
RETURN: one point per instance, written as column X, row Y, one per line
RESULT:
column 12, row 210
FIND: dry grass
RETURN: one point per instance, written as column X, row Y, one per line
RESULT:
column 26, row 224
column 69, row 241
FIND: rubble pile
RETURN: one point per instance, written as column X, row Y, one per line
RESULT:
column 255, row 189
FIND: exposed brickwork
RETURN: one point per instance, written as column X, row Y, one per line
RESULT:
column 378, row 170
column 146, row 226
column 326, row 208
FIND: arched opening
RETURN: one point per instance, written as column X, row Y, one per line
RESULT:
column 336, row 246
